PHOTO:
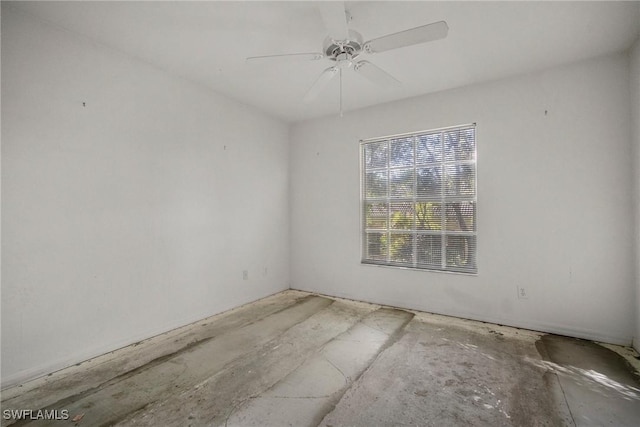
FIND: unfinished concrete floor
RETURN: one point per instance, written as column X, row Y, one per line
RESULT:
column 296, row 359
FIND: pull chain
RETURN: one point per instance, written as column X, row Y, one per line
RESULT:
column 341, row 113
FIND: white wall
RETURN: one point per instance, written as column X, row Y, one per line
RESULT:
column 635, row 114
column 553, row 203
column 133, row 214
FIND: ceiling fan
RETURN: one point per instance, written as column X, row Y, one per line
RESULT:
column 344, row 46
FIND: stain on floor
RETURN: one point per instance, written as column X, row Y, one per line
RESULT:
column 599, row 386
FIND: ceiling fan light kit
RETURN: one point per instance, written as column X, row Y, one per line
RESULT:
column 343, row 46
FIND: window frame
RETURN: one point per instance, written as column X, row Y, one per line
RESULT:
column 443, row 233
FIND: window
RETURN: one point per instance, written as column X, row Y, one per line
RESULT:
column 418, row 196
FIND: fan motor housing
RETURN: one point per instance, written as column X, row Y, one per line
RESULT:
column 343, row 49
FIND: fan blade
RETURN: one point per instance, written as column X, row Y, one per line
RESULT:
column 322, row 81
column 423, row 34
column 334, row 16
column 287, row 56
column 375, row 74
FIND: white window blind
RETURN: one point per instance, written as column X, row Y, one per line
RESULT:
column 418, row 196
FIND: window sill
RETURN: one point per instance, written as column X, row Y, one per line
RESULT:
column 399, row 267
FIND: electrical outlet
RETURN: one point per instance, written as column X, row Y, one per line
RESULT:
column 522, row 293
column 245, row 274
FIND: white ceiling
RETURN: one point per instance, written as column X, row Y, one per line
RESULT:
column 207, row 42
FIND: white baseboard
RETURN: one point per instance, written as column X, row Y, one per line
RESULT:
column 516, row 323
